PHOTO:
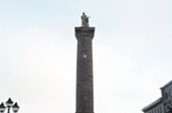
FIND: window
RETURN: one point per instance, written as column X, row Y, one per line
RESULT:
column 166, row 95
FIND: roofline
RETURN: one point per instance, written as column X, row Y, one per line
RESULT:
column 152, row 104
column 166, row 85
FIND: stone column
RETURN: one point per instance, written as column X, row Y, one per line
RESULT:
column 84, row 92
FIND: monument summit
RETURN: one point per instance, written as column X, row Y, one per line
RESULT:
column 84, row 86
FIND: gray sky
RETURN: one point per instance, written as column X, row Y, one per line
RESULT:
column 132, row 53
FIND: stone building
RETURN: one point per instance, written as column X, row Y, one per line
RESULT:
column 164, row 103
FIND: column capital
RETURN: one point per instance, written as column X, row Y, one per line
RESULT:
column 84, row 32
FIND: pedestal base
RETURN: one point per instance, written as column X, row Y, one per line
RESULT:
column 85, row 112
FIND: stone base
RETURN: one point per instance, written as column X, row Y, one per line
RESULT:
column 85, row 112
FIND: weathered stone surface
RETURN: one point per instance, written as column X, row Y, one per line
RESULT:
column 84, row 96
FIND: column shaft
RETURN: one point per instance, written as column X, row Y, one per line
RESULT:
column 84, row 96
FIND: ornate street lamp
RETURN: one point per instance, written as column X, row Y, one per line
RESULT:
column 9, row 104
column 15, row 108
column 2, row 108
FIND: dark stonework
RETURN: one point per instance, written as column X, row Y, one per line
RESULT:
column 84, row 93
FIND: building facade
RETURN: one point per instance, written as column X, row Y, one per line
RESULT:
column 164, row 103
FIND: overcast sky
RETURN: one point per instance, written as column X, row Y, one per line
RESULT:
column 132, row 51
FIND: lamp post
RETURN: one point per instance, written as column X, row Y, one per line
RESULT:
column 9, row 105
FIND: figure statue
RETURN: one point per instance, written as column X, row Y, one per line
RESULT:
column 85, row 20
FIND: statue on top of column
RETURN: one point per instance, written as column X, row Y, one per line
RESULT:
column 85, row 20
